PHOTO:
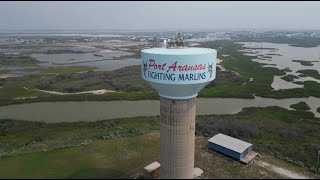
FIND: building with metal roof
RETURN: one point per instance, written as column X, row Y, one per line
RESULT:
column 230, row 146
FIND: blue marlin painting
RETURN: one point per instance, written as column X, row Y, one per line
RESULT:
column 145, row 67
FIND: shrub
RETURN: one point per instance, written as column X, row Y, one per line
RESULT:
column 38, row 138
column 231, row 127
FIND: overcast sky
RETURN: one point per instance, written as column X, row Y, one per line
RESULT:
column 142, row 15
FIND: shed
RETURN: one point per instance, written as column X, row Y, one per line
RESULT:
column 230, row 146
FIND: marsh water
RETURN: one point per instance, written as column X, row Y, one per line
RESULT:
column 67, row 58
column 280, row 56
column 102, row 60
column 88, row 111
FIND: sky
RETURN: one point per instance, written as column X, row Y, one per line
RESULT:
column 159, row 15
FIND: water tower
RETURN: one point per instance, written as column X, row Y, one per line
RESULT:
column 178, row 73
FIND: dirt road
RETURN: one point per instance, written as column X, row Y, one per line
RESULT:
column 281, row 171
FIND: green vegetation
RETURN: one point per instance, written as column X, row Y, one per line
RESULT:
column 289, row 77
column 100, row 159
column 12, row 60
column 135, row 54
column 273, row 54
column 117, row 148
column 126, row 79
column 45, row 97
column 310, row 72
column 98, row 55
column 311, row 88
column 19, row 137
column 303, row 62
column 2, row 71
column 14, row 88
column 318, row 110
column 301, row 106
column 80, row 62
column 266, row 57
column 71, row 69
column 62, row 51
column 257, row 48
column 287, row 69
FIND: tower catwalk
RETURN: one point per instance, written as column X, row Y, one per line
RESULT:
column 177, row 135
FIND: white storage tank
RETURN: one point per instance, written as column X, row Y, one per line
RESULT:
column 178, row 73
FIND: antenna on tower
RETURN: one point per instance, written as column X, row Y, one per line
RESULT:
column 177, row 42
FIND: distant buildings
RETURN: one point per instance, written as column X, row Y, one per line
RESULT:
column 157, row 37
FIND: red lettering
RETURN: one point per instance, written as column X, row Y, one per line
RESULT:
column 151, row 63
column 184, row 68
column 173, row 66
column 163, row 65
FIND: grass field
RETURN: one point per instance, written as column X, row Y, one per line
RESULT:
column 123, row 157
column 100, row 159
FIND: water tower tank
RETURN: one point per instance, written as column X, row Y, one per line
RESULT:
column 178, row 74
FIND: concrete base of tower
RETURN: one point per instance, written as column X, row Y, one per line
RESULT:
column 152, row 171
column 197, row 173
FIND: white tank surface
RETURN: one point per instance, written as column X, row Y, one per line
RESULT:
column 178, row 73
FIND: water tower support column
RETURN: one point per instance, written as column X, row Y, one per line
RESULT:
column 177, row 138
